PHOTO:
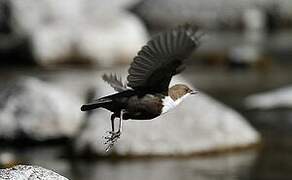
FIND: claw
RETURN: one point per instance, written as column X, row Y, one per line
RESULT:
column 112, row 136
column 111, row 139
column 110, row 132
column 109, row 147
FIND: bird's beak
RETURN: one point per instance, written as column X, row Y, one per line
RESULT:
column 194, row 92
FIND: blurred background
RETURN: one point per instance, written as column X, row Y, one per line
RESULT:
column 52, row 56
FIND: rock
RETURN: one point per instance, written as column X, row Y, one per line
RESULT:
column 53, row 44
column 199, row 124
column 115, row 5
column 212, row 14
column 279, row 98
column 249, row 52
column 24, row 172
column 121, row 39
column 254, row 20
column 38, row 110
column 87, row 31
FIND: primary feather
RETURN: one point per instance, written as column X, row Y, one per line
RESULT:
column 161, row 58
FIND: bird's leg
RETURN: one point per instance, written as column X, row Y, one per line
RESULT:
column 113, row 116
column 114, row 136
column 113, row 122
column 121, row 122
column 109, row 138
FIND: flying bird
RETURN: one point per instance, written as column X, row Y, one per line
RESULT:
column 147, row 95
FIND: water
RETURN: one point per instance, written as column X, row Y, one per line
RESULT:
column 233, row 166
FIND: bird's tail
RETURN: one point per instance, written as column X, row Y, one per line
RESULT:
column 95, row 104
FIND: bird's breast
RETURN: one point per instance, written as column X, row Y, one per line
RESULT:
column 168, row 104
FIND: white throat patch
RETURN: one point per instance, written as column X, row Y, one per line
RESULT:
column 169, row 103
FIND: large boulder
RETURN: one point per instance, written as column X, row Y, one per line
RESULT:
column 87, row 31
column 25, row 172
column 200, row 124
column 38, row 110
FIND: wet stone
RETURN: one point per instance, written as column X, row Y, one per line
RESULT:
column 24, row 172
column 37, row 110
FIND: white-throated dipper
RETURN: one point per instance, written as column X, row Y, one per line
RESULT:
column 147, row 95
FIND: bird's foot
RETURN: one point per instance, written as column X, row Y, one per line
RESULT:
column 112, row 136
column 111, row 139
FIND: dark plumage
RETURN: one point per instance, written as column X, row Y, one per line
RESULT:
column 161, row 58
column 146, row 95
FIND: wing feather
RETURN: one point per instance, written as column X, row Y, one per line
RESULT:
column 115, row 82
column 161, row 58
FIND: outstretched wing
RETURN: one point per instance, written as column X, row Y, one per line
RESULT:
column 162, row 57
column 115, row 82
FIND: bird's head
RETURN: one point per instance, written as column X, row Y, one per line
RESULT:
column 180, row 91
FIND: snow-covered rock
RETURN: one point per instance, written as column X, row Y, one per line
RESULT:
column 279, row 98
column 199, row 124
column 25, row 172
column 38, row 110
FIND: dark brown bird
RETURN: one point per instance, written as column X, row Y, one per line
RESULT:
column 147, row 94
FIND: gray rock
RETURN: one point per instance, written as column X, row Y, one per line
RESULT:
column 39, row 110
column 199, row 124
column 121, row 39
column 207, row 13
column 24, row 172
column 279, row 98
column 88, row 31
